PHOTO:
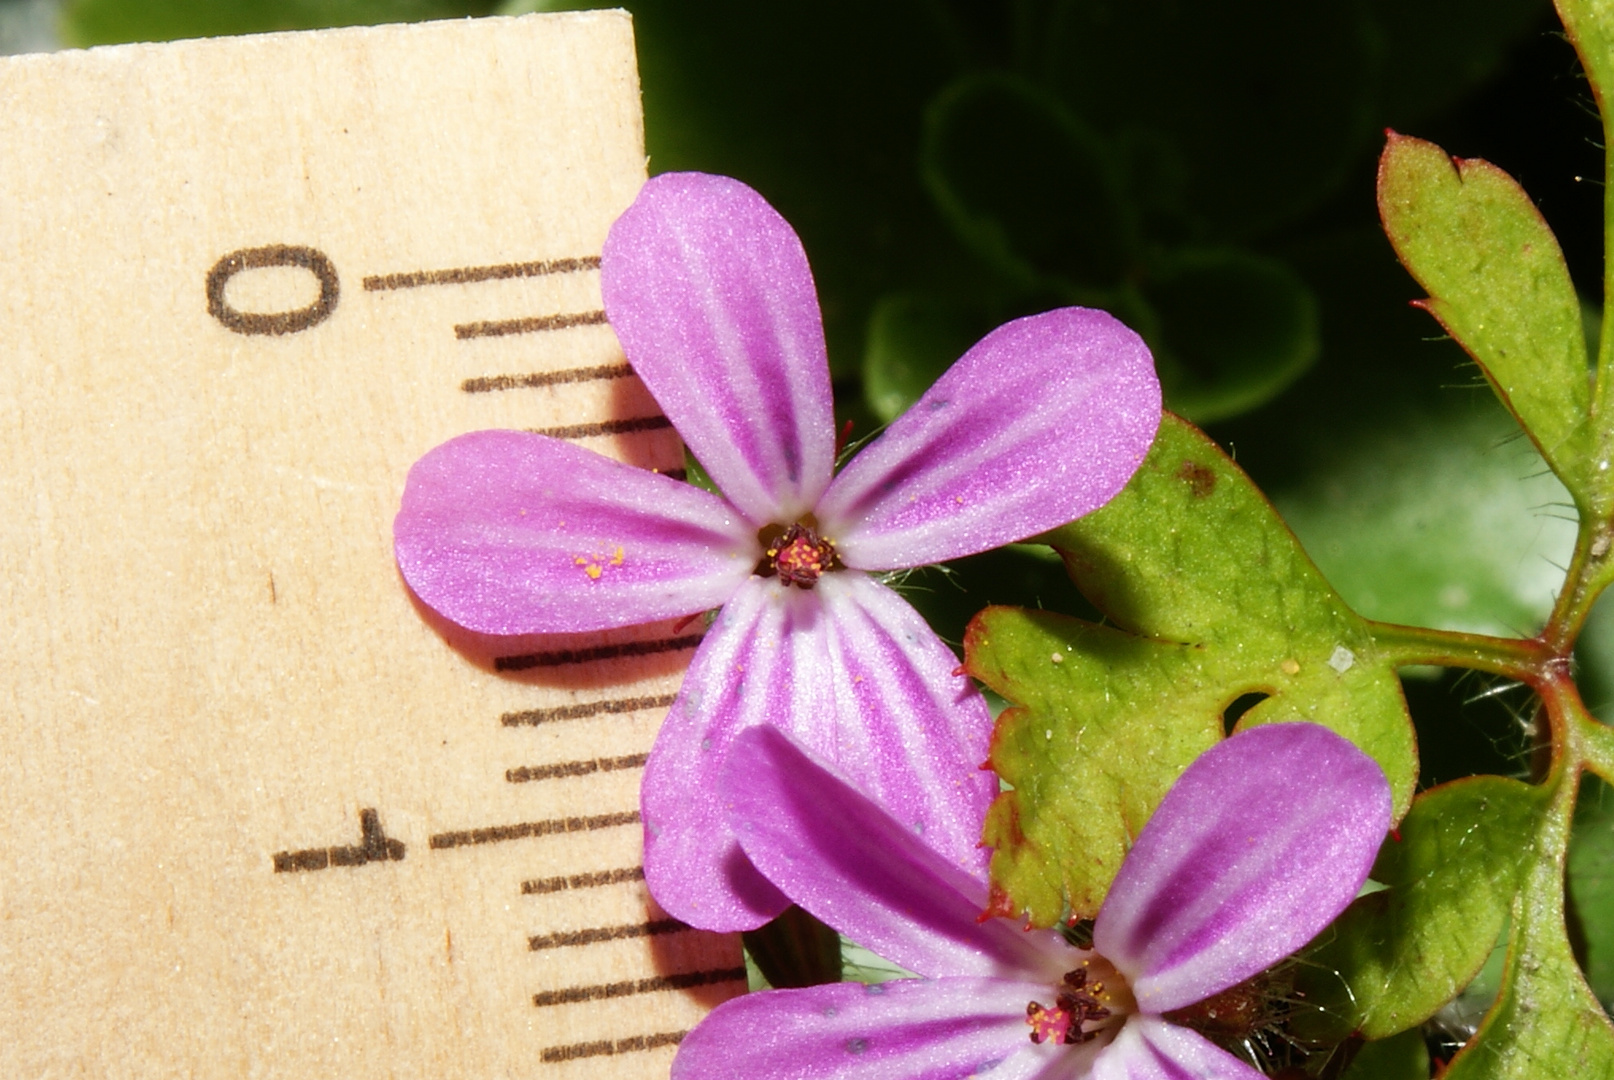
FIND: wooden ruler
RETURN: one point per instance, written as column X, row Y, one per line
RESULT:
column 261, row 815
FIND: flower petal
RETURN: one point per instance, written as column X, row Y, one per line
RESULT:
column 855, row 674
column 1045, row 419
column 709, row 292
column 911, row 1029
column 1261, row 842
column 1149, row 1048
column 912, row 732
column 839, row 855
column 507, row 532
column 764, row 660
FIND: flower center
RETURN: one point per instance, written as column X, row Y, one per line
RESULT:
column 1080, row 1006
column 797, row 554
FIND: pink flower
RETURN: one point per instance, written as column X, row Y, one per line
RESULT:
column 1258, row 846
column 709, row 291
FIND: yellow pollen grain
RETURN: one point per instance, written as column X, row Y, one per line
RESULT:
column 1290, row 667
column 1058, row 658
column 616, row 560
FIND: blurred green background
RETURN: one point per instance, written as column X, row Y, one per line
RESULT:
column 1206, row 172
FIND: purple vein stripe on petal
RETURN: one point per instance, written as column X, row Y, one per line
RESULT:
column 765, row 660
column 709, row 292
column 1045, row 419
column 1149, row 1048
column 837, row 854
column 1256, row 848
column 506, row 532
column 912, row 734
column 912, row 1029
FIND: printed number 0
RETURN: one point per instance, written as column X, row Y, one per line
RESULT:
column 284, row 322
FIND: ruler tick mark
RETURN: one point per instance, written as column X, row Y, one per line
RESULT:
column 604, row 991
column 654, row 928
column 605, row 427
column 468, row 275
column 528, row 829
column 532, row 324
column 563, row 657
column 376, row 847
column 584, row 709
column 539, row 886
column 564, row 769
column 488, row 383
column 554, row 1054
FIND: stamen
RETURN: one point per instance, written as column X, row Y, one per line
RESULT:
column 1048, row 1024
column 799, row 556
column 1076, row 1004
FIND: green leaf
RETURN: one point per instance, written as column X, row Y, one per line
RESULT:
column 1498, row 283
column 1590, row 25
column 913, row 338
column 1026, row 184
column 1397, row 955
column 1546, row 1021
column 1591, row 885
column 1235, row 328
column 1444, row 519
column 1212, row 599
column 1400, row 1057
column 794, row 950
column 105, row 22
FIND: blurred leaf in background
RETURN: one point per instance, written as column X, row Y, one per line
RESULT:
column 104, row 22
column 1451, row 522
column 29, row 26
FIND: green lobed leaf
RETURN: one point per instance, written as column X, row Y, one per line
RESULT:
column 1400, row 1057
column 1235, row 328
column 1498, row 283
column 1546, row 1021
column 1212, row 599
column 1590, row 25
column 1397, row 955
column 1591, row 886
